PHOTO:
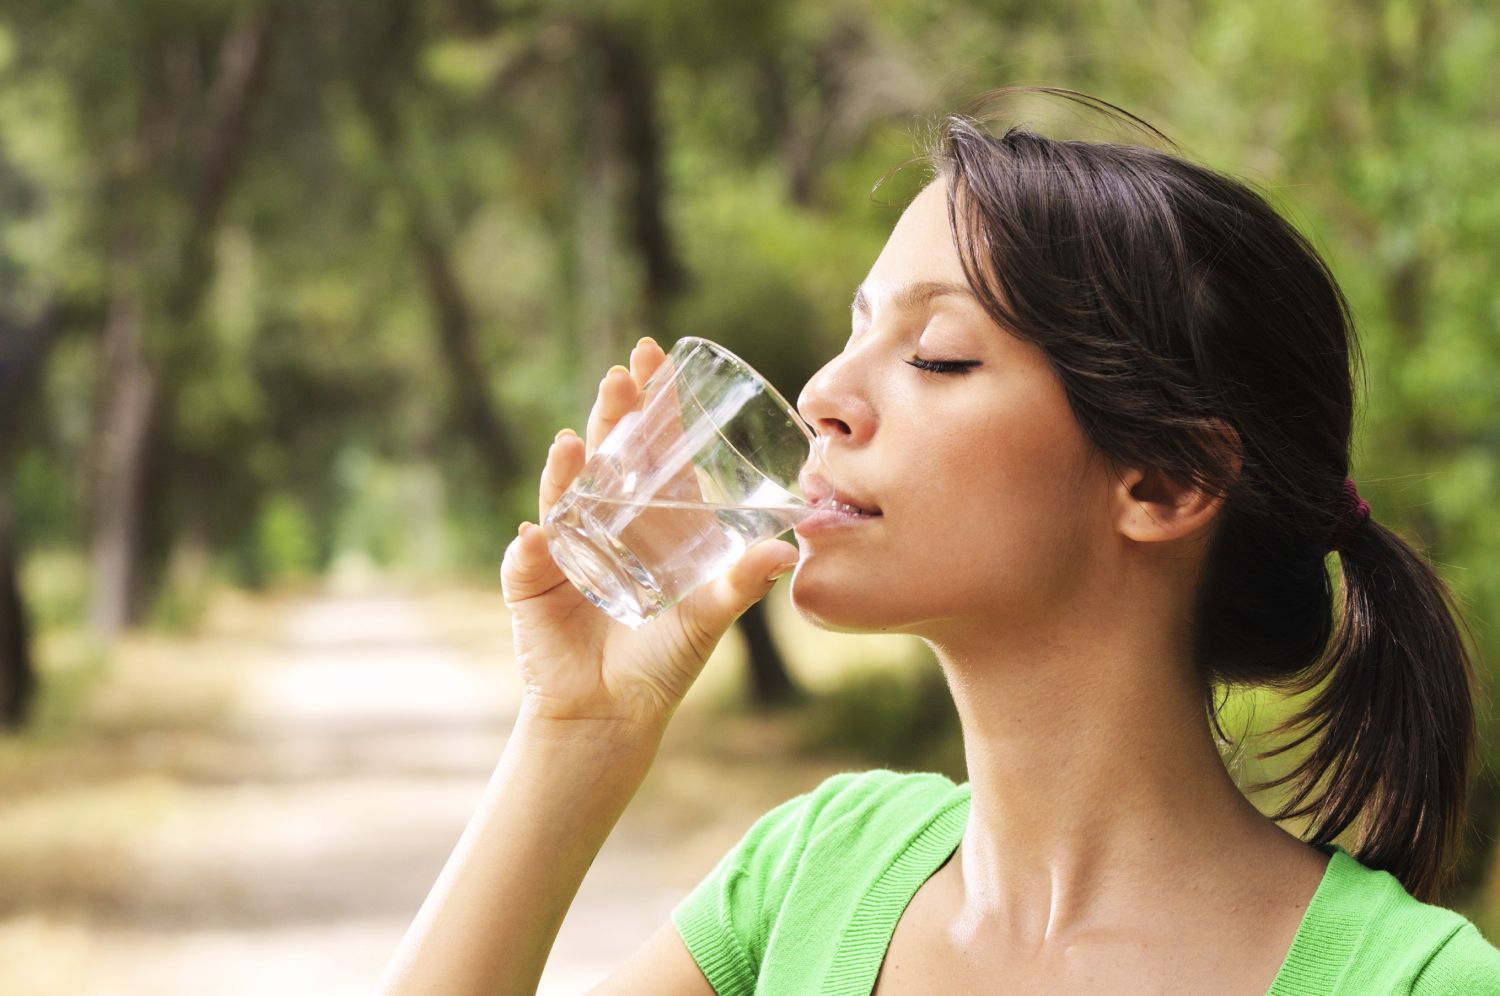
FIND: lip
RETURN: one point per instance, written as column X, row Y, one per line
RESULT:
column 832, row 520
column 819, row 490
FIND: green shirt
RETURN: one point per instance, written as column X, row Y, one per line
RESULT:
column 807, row 901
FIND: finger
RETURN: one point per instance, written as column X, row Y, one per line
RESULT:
column 645, row 359
column 707, row 613
column 620, row 392
column 617, row 392
column 564, row 461
column 661, row 447
column 527, row 569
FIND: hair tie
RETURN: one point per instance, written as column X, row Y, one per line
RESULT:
column 1352, row 514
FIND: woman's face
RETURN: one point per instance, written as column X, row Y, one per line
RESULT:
column 991, row 498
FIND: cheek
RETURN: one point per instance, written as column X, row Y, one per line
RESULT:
column 1003, row 505
column 992, row 523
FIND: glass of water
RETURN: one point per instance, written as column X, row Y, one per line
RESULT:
column 704, row 468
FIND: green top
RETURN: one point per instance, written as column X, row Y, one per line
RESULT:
column 808, row 900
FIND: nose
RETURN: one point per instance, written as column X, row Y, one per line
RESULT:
column 834, row 405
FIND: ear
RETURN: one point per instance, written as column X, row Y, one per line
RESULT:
column 1154, row 507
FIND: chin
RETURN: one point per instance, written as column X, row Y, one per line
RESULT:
column 841, row 609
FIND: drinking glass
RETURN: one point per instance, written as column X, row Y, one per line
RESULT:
column 703, row 469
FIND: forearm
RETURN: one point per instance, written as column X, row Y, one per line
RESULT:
column 494, row 912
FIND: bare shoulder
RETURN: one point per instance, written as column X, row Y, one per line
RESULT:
column 661, row 966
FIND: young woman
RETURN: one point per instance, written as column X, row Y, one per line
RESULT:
column 1097, row 401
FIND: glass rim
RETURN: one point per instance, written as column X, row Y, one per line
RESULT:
column 729, row 354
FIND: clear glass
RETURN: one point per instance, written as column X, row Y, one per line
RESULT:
column 705, row 468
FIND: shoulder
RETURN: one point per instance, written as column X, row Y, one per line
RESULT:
column 851, row 802
column 1409, row 944
column 1465, row 964
column 816, row 844
column 847, row 813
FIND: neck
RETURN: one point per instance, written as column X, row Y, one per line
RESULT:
column 1093, row 773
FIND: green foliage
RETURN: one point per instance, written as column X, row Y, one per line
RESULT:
column 900, row 718
column 73, row 669
column 307, row 400
column 178, row 607
column 286, row 538
column 56, row 583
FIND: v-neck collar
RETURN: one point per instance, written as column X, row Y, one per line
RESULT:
column 1332, row 925
column 853, row 970
column 1320, row 950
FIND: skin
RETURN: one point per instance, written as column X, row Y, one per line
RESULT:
column 1055, row 589
column 597, row 697
column 1107, row 848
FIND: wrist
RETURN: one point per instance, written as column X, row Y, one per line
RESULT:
column 613, row 733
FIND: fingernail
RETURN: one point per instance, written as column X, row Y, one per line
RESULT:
column 563, row 432
column 779, row 571
column 617, row 367
column 645, row 339
column 521, row 529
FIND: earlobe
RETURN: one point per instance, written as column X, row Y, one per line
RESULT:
column 1157, row 507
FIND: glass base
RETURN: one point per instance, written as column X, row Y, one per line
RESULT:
column 611, row 578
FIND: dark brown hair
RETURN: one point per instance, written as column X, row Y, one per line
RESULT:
column 1194, row 328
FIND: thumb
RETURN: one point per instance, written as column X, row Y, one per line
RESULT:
column 715, row 606
column 527, row 569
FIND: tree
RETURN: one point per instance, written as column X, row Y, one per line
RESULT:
column 23, row 351
column 196, row 133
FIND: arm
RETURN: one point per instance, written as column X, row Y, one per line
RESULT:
column 598, row 696
column 492, row 916
column 1465, row 965
column 662, row 967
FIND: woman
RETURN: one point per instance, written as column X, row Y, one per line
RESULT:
column 1101, row 400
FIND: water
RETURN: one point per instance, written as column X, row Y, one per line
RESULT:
column 634, row 559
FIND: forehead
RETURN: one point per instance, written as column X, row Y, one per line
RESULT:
column 920, row 249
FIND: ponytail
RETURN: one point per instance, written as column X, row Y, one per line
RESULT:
column 1173, row 301
column 1396, row 718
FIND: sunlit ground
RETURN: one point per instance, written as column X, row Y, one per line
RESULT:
column 261, row 807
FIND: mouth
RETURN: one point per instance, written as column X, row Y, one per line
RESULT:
column 821, row 493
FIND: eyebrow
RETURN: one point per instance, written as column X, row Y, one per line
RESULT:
column 912, row 295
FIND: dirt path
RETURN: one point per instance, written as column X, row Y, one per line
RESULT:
column 281, row 842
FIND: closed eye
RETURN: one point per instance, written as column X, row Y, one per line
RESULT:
column 943, row 366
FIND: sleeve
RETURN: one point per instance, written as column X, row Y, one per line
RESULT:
column 726, row 920
column 1464, row 965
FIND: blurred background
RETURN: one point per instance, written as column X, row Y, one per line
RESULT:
column 293, row 297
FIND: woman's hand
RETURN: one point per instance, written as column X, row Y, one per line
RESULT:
column 578, row 663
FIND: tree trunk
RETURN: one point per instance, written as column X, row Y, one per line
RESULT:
column 377, row 66
column 453, row 321
column 239, row 78
column 134, row 394
column 630, row 88
column 771, row 684
column 595, row 238
column 17, row 672
column 629, row 97
column 119, row 454
column 23, row 354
